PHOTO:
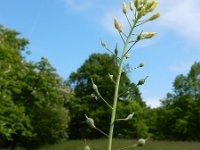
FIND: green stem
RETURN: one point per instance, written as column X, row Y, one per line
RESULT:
column 101, row 131
column 122, row 38
column 117, row 88
column 128, row 20
column 104, row 100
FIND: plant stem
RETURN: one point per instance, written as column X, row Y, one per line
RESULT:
column 101, row 131
column 117, row 88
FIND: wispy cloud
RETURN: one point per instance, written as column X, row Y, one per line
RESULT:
column 180, row 68
column 77, row 5
column 108, row 23
column 181, row 16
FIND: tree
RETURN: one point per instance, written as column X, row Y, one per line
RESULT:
column 99, row 68
column 13, row 119
column 180, row 113
column 32, row 96
column 44, row 96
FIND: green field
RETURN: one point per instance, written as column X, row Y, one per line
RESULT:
column 101, row 145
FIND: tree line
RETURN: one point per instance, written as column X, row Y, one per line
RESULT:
column 38, row 107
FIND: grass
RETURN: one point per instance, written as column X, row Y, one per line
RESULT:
column 118, row 143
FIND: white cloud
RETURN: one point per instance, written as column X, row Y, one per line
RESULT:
column 180, row 68
column 153, row 102
column 77, row 5
column 108, row 23
column 181, row 16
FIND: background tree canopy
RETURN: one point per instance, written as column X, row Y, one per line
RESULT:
column 37, row 107
column 32, row 96
column 98, row 67
column 179, row 116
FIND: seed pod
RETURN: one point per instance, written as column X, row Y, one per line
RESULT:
column 86, row 147
column 141, row 65
column 148, row 35
column 90, row 122
column 103, row 44
column 142, row 81
column 95, row 87
column 141, row 142
column 130, row 116
column 124, row 10
column 131, row 5
column 155, row 16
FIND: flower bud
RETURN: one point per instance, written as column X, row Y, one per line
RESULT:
column 153, row 6
column 141, row 12
column 141, row 142
column 131, row 5
column 148, row 35
column 136, row 3
column 155, row 16
column 86, row 147
column 117, row 25
column 120, row 28
column 124, row 8
column 138, row 38
column 103, row 44
column 90, row 122
column 144, row 2
column 127, row 56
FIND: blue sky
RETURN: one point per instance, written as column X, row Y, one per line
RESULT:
column 68, row 31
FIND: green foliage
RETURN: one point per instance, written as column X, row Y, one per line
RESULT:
column 135, row 127
column 32, row 97
column 98, row 67
column 180, row 114
column 13, row 120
